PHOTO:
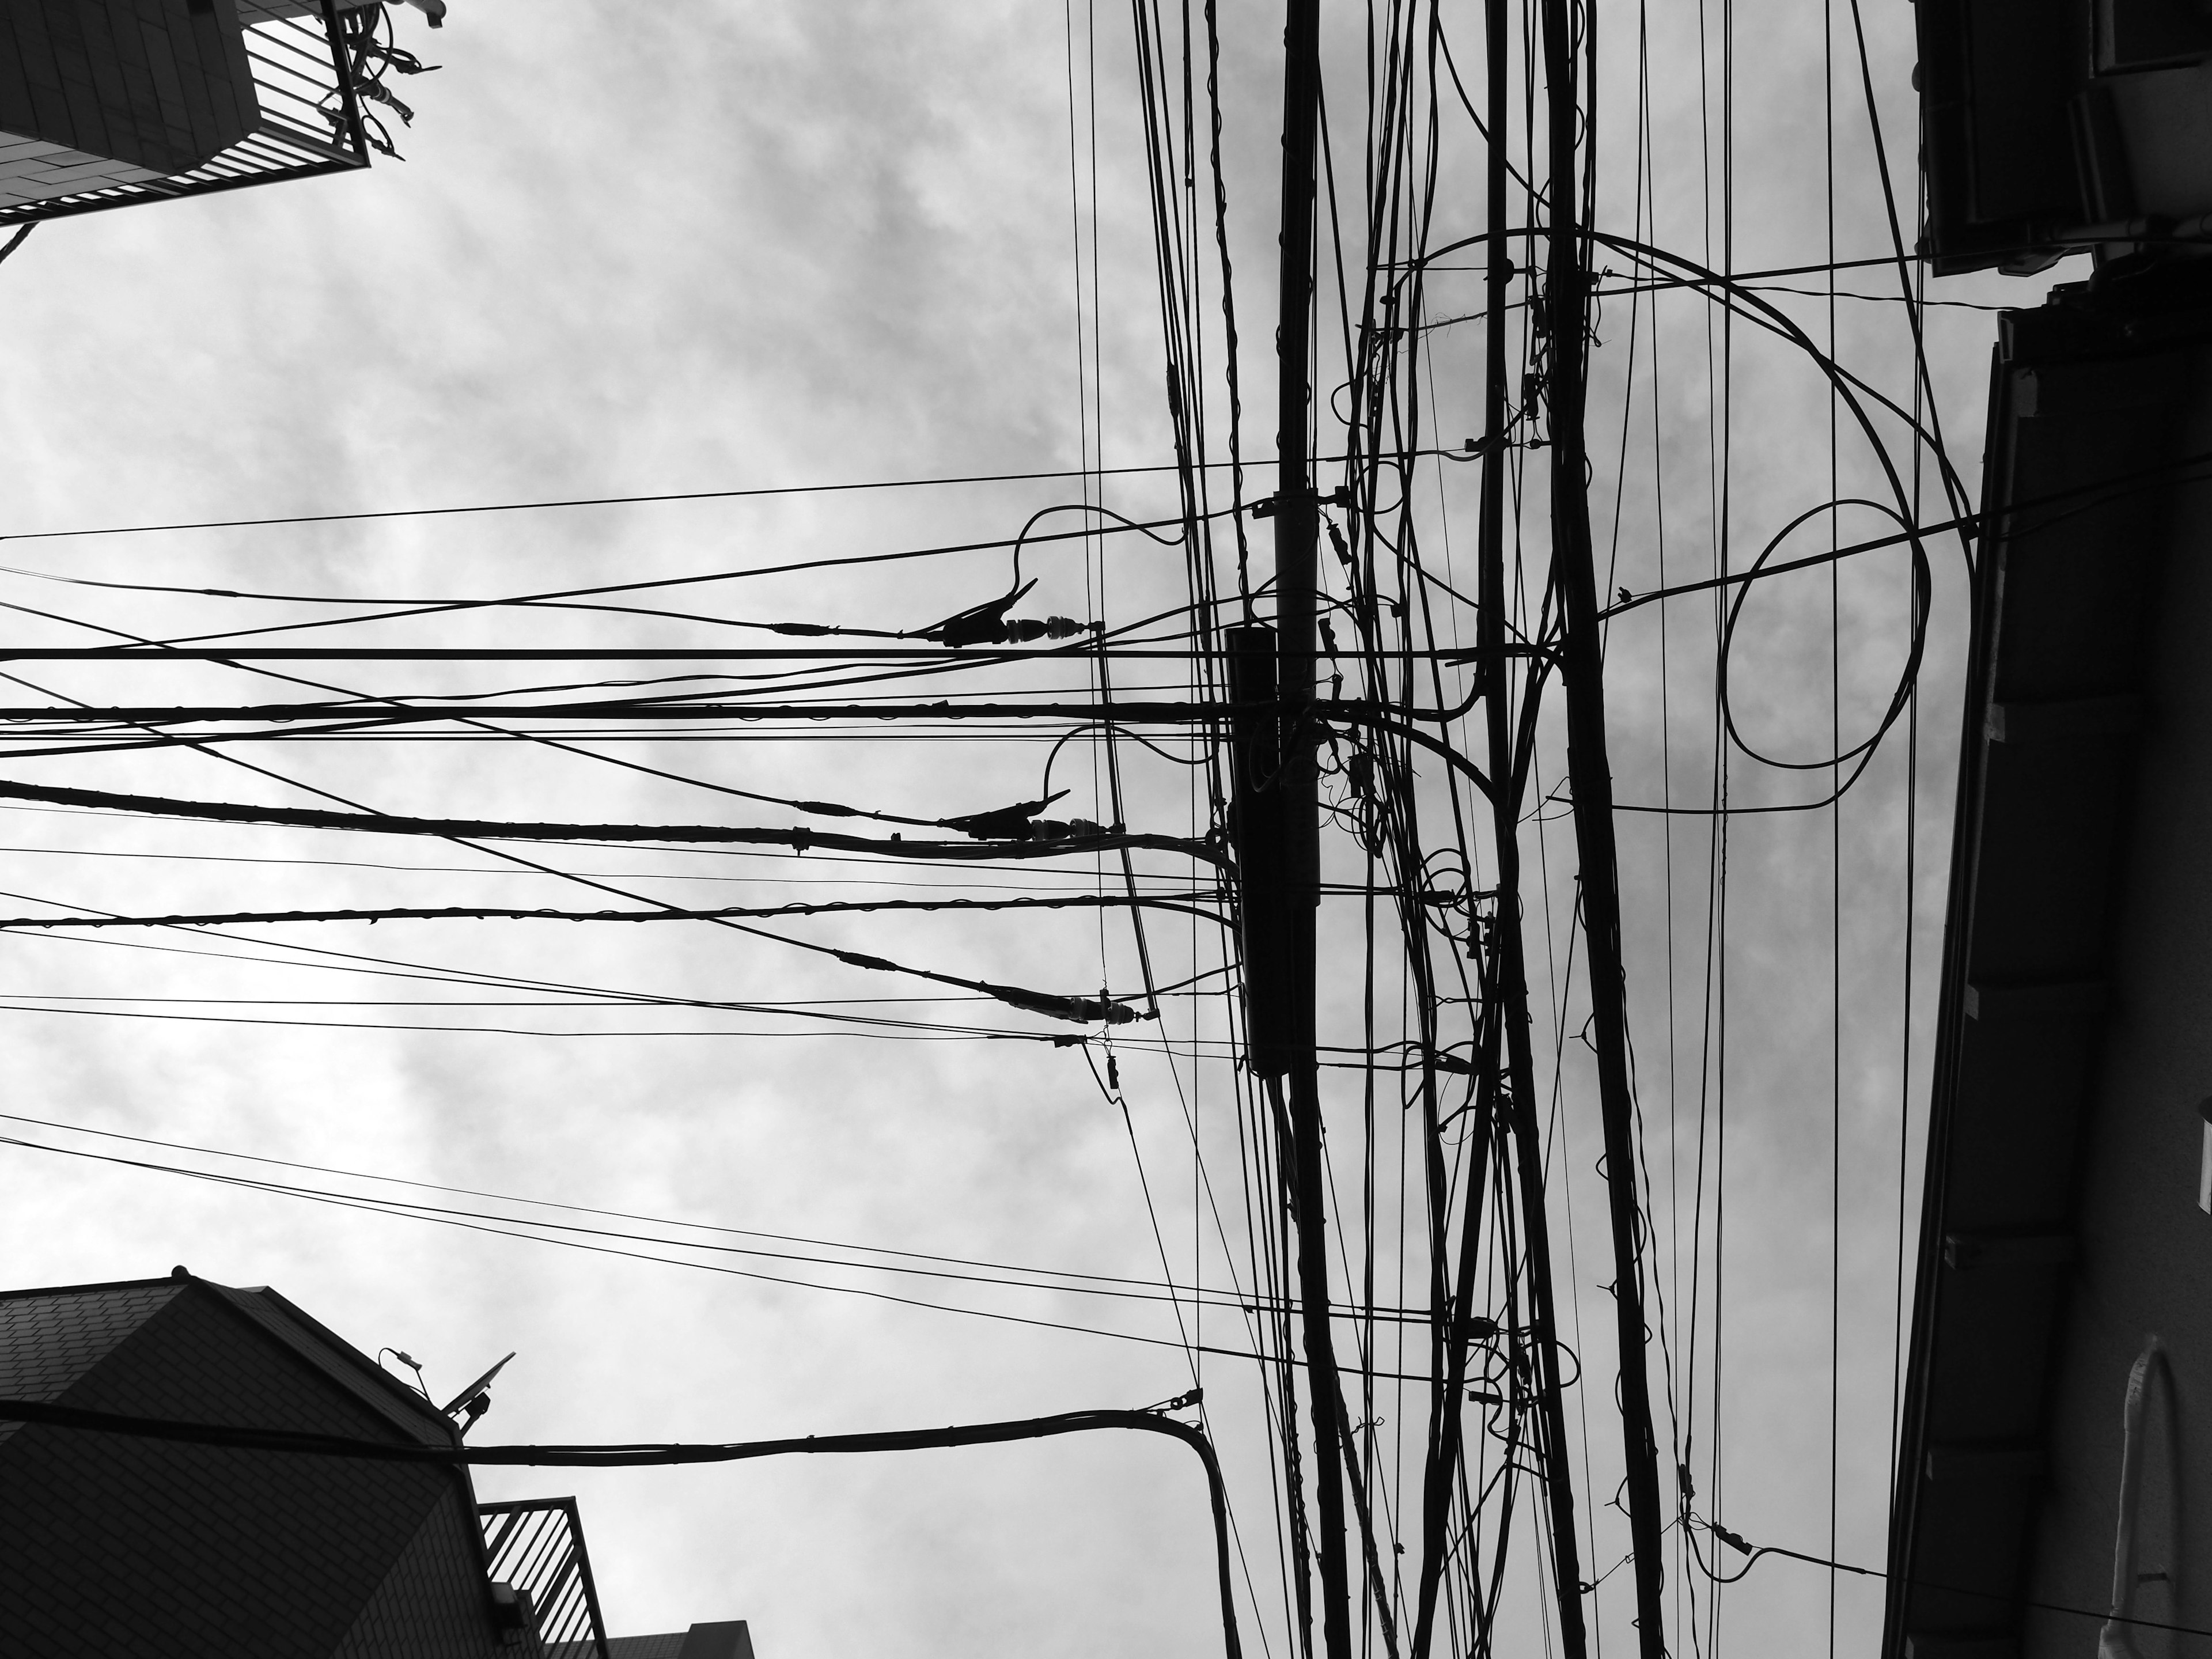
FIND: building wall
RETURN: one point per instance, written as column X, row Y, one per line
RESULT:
column 153, row 85
column 32, row 170
column 48, row 1342
column 431, row 1604
column 119, row 1547
column 2143, row 1261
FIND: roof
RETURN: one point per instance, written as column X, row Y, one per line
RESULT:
column 48, row 1339
column 51, row 1337
column 117, row 1547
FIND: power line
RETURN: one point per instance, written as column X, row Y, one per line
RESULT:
column 798, row 840
column 635, row 1455
column 536, row 506
column 1041, row 1273
column 545, row 505
column 523, row 913
column 1755, row 1553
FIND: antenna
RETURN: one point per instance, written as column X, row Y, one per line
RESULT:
column 469, row 1395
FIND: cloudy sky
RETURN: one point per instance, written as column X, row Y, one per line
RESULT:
column 710, row 247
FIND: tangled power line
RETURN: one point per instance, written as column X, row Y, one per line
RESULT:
column 1301, row 838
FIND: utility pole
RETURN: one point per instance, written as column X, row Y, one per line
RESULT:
column 1297, row 526
column 1508, row 1084
column 1509, row 970
column 1574, row 574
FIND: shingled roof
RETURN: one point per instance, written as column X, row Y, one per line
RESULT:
column 119, row 1547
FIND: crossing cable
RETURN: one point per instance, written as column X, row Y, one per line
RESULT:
column 665, row 1455
column 798, row 840
column 1723, row 827
column 2193, row 468
column 385, row 967
column 1077, row 1009
column 1914, row 300
column 552, row 598
column 1738, row 301
column 910, row 1264
column 1907, row 681
column 1905, row 1001
column 1374, row 388
column 1514, row 1068
column 1041, row 1276
column 589, row 501
column 611, row 1245
column 523, row 912
column 1236, row 462
column 975, row 824
column 1573, row 563
column 1755, row 1554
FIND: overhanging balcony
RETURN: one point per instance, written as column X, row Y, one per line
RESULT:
column 104, row 104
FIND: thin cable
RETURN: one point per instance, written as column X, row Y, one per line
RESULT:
column 587, row 501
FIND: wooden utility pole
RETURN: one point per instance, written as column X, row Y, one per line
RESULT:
column 1296, row 603
column 1574, row 574
column 1508, row 965
column 1507, row 1088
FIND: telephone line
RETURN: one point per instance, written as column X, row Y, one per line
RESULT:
column 612, row 501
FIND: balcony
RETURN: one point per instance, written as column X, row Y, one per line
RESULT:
column 537, row 1547
column 102, row 107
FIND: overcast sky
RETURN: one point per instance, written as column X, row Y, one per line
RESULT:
column 707, row 246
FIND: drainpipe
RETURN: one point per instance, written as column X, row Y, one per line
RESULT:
column 2116, row 1640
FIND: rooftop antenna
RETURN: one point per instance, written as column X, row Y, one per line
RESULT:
column 475, row 1399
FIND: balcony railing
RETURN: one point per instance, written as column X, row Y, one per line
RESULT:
column 537, row 1546
column 304, row 78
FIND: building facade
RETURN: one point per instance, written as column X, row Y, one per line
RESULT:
column 115, row 1546
column 104, row 103
column 2050, row 1474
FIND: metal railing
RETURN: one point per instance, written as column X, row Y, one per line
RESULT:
column 537, row 1546
column 310, row 121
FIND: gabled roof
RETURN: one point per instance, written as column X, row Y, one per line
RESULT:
column 50, row 1338
column 116, row 1547
column 344, row 1363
